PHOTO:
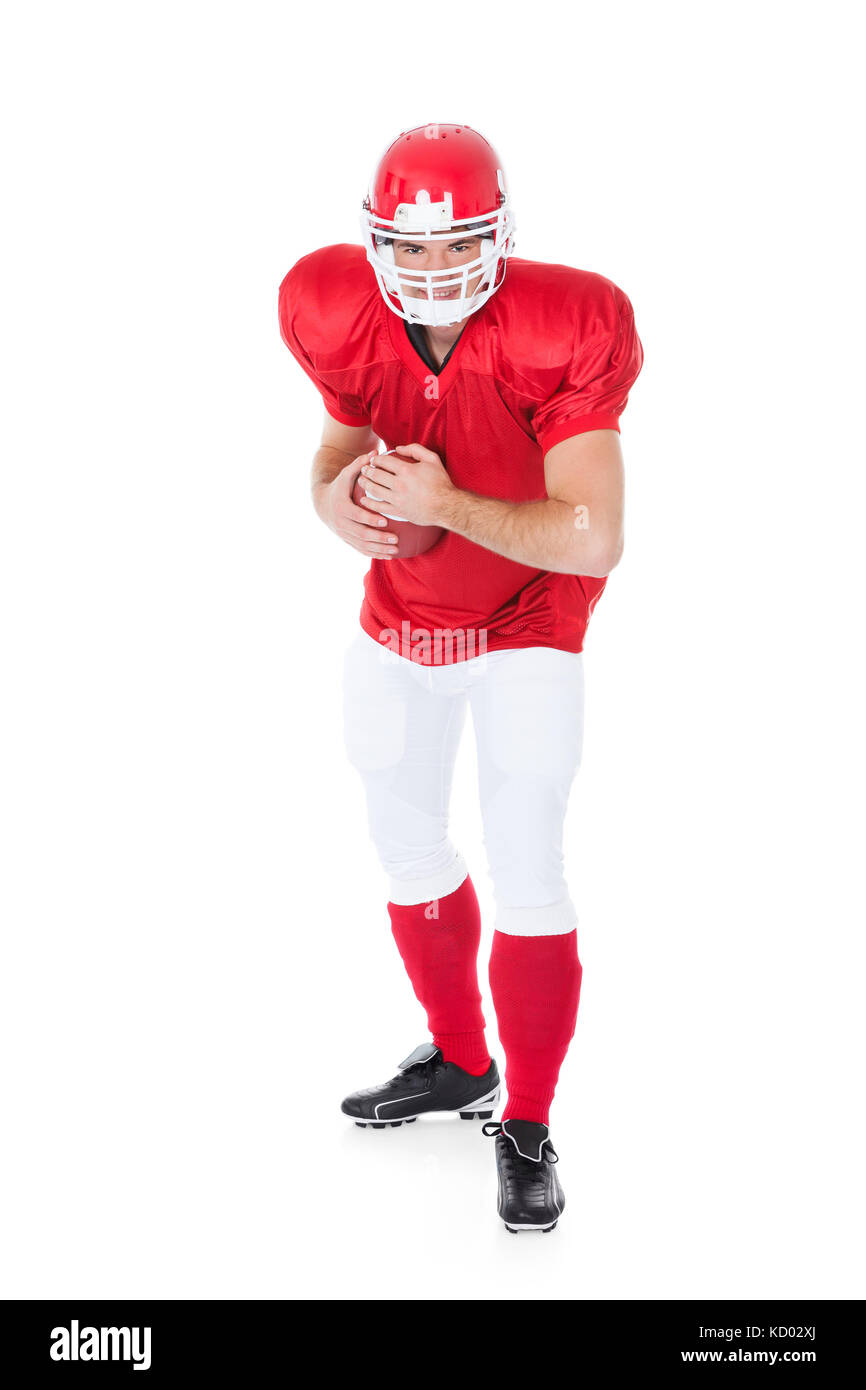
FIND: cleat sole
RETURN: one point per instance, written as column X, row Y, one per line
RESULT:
column 518, row 1230
column 410, row 1119
column 483, row 1108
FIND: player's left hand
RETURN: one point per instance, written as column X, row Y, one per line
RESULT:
column 416, row 491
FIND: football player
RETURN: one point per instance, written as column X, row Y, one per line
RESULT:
column 496, row 385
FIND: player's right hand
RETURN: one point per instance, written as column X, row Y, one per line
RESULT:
column 361, row 529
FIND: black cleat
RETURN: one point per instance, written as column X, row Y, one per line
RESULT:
column 425, row 1084
column 530, row 1195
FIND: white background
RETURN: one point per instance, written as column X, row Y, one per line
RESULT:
column 196, row 960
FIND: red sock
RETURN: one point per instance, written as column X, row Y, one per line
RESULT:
column 439, row 945
column 536, row 987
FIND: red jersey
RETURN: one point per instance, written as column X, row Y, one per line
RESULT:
column 552, row 354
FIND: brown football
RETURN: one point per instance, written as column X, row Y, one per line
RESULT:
column 411, row 539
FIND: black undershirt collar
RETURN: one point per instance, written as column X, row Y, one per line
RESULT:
column 416, row 336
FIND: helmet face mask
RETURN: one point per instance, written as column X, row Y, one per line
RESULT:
column 464, row 192
column 419, row 296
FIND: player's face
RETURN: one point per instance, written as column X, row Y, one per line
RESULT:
column 437, row 255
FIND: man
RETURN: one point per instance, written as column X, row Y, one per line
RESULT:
column 501, row 396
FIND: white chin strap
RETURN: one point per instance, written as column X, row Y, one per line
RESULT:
column 438, row 298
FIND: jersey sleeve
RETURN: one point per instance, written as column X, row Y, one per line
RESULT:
column 346, row 408
column 594, row 390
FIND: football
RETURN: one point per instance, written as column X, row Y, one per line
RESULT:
column 411, row 539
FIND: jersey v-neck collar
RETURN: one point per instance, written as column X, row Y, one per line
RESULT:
column 421, row 369
column 418, row 338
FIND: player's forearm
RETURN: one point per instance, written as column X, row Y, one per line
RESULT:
column 327, row 463
column 547, row 535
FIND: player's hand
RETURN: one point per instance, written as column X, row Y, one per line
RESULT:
column 359, row 528
column 417, row 491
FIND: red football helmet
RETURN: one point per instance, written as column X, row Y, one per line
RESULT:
column 432, row 184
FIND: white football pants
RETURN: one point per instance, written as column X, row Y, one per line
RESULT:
column 403, row 723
